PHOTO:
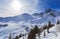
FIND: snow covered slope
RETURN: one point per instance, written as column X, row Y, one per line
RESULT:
column 54, row 34
column 23, row 23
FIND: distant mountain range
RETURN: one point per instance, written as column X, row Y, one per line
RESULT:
column 23, row 17
column 41, row 17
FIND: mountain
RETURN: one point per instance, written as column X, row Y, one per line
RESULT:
column 37, row 18
column 28, row 23
column 52, row 16
column 23, row 17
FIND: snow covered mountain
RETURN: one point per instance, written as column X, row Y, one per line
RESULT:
column 23, row 17
column 44, row 16
column 24, row 22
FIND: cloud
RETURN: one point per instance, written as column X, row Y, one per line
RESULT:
column 27, row 7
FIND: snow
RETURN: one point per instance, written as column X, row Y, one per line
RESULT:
column 13, row 28
column 54, row 34
column 25, row 24
column 16, row 29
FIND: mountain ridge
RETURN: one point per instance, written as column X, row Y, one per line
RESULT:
column 34, row 18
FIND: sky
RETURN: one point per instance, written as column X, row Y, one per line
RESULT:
column 16, row 7
column 53, row 4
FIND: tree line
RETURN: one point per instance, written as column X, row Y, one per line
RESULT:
column 36, row 30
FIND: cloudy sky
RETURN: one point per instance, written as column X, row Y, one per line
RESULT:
column 16, row 7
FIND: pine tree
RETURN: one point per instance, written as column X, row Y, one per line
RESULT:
column 48, row 30
column 39, row 34
column 10, row 37
column 58, row 22
column 13, row 38
column 31, row 35
column 40, row 31
column 20, row 35
column 36, row 29
column 44, row 34
column 23, row 37
column 17, row 37
column 49, row 25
